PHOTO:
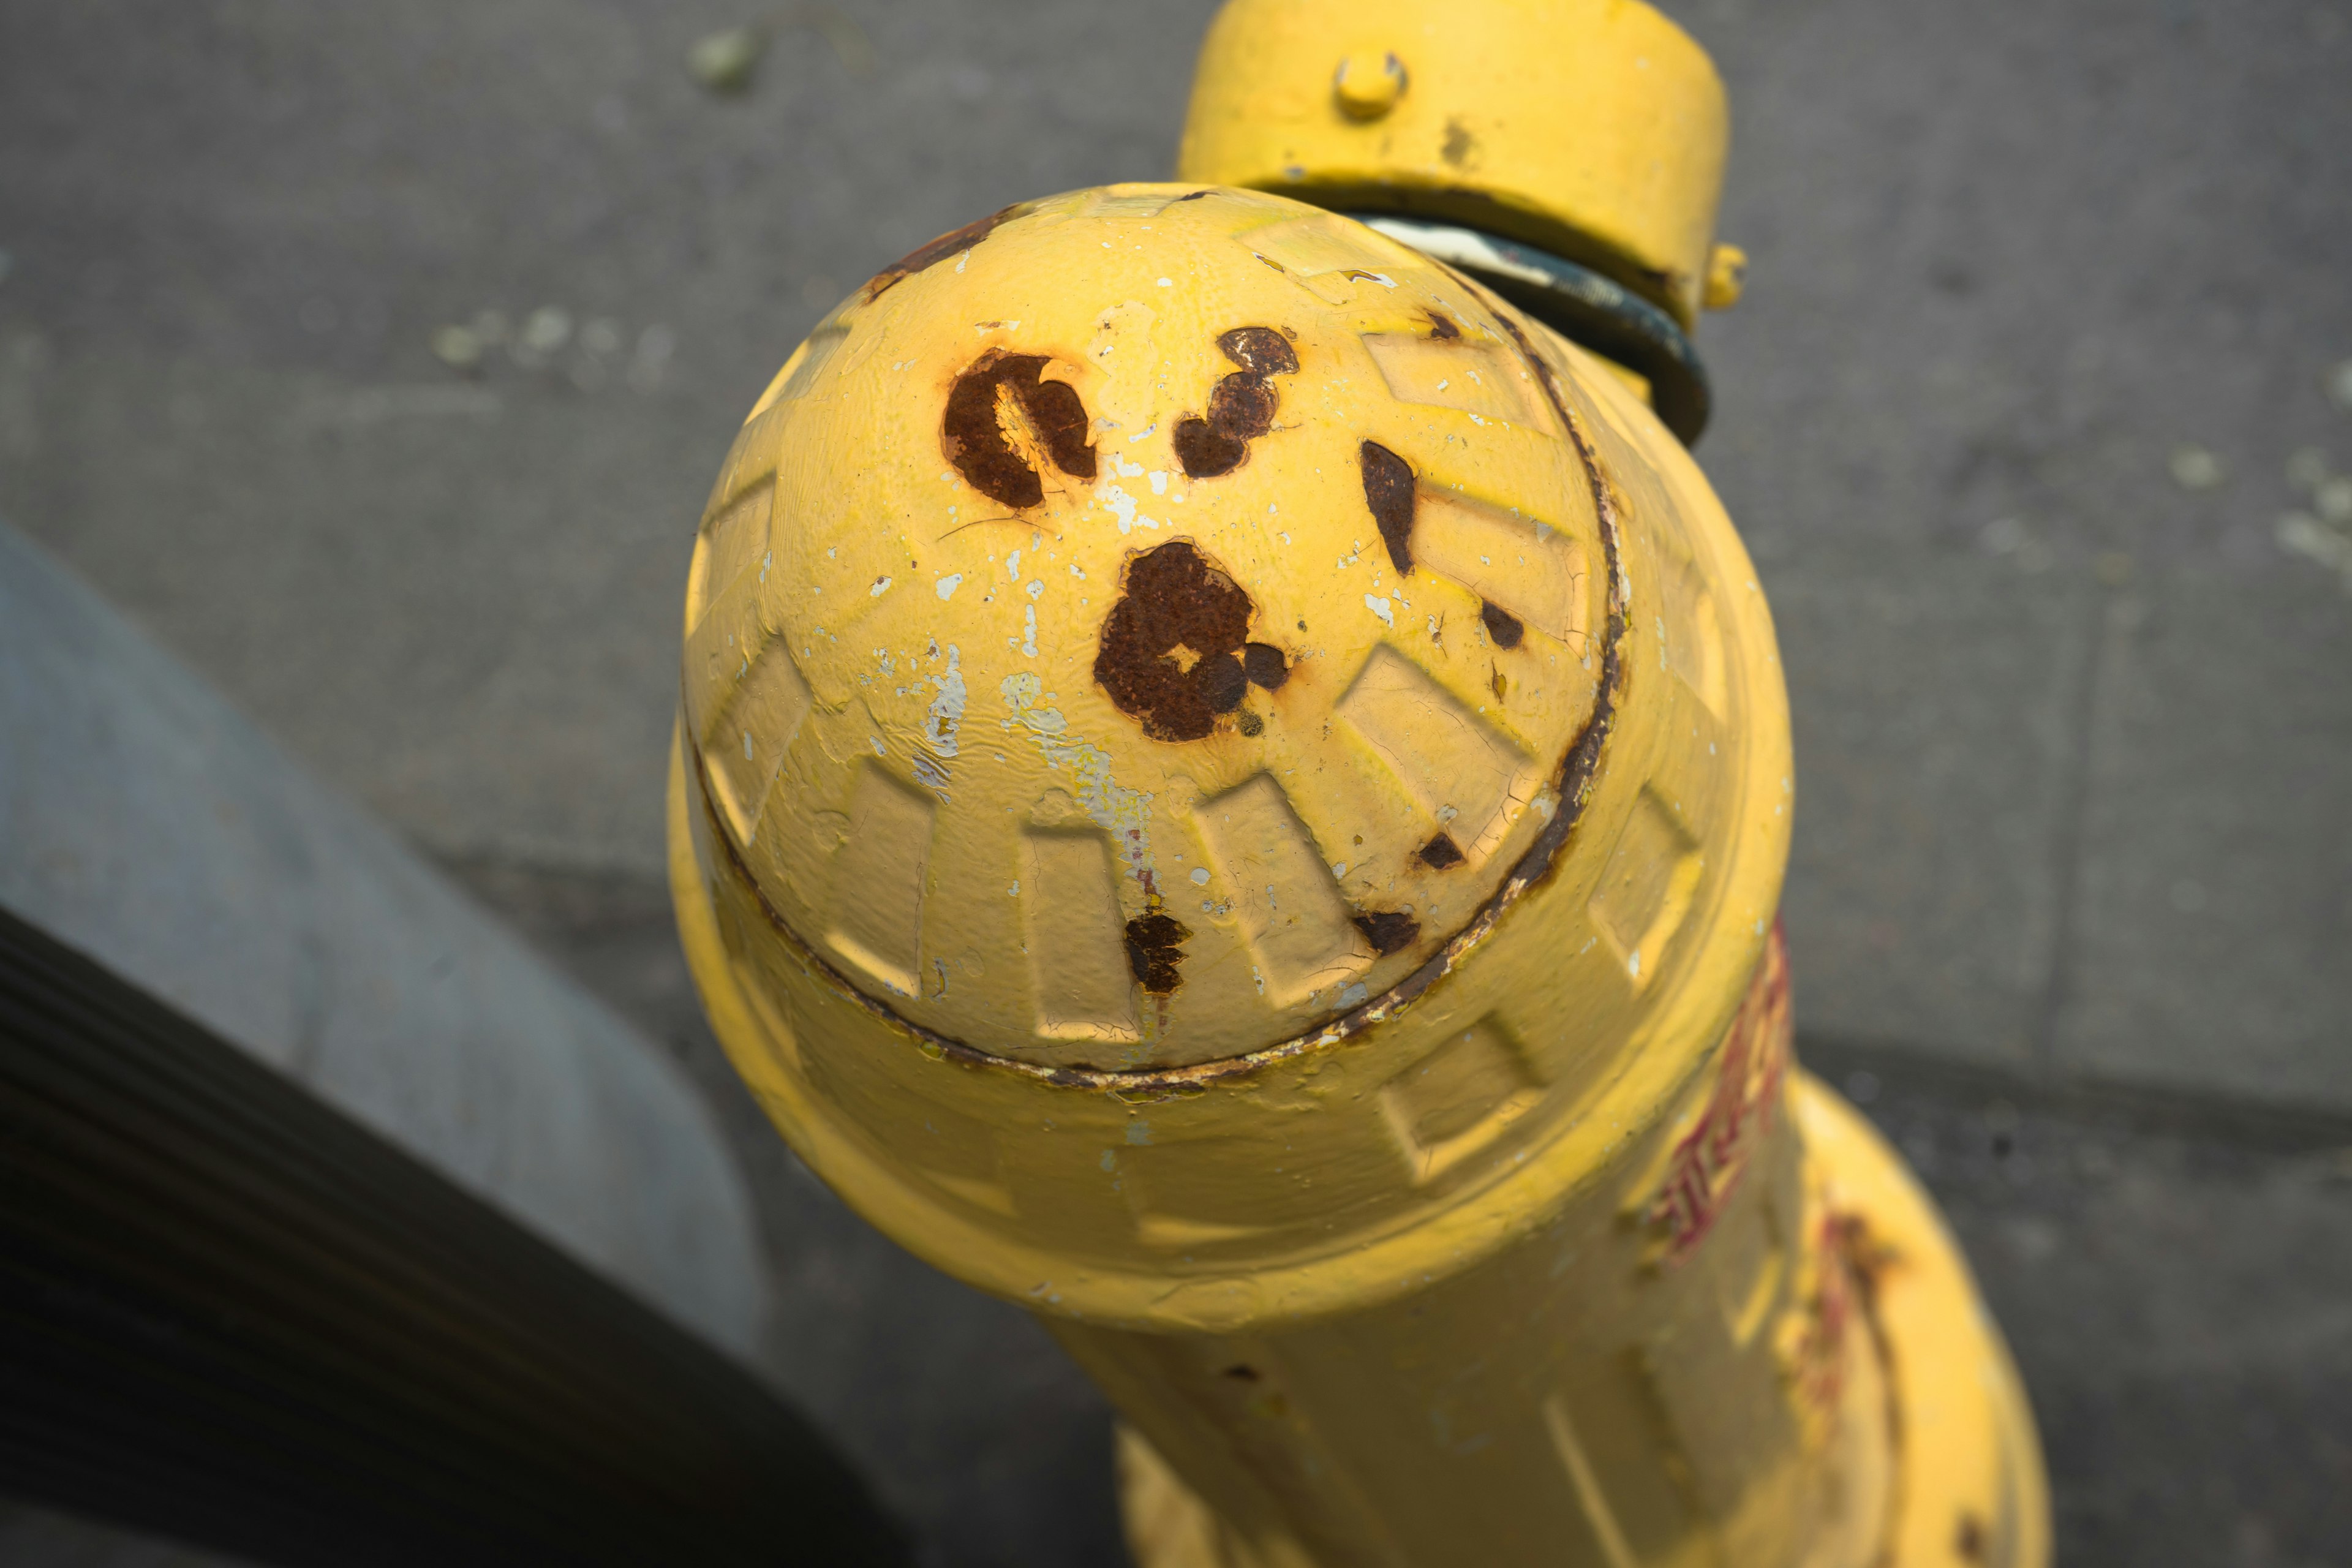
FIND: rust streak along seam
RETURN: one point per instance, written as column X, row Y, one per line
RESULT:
column 1573, row 784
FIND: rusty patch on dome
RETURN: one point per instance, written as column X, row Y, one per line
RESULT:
column 972, row 430
column 1388, row 930
column 1155, row 946
column 1241, row 406
column 1172, row 651
column 925, row 257
column 1503, row 627
column 1264, row 665
column 1388, row 491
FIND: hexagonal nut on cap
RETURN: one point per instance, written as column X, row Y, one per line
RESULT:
column 1369, row 83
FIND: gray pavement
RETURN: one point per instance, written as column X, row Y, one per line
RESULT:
column 2074, row 738
column 2075, row 727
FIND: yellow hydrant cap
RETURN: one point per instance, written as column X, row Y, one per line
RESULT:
column 1593, row 129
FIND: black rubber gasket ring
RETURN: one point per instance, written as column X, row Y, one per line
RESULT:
column 1580, row 304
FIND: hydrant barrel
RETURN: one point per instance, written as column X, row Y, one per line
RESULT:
column 1232, row 788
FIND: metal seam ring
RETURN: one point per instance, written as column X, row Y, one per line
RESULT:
column 1580, row 304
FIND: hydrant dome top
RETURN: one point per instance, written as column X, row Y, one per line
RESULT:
column 1146, row 626
column 1208, row 742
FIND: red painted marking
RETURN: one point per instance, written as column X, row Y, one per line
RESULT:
column 1750, row 1069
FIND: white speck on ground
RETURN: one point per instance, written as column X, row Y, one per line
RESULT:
column 2195, row 467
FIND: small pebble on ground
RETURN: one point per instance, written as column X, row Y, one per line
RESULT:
column 2196, row 469
column 723, row 61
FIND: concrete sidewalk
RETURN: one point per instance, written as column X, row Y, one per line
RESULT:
column 2075, row 737
column 2173, row 1275
column 2045, row 301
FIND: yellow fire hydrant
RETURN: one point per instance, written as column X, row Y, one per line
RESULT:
column 1232, row 788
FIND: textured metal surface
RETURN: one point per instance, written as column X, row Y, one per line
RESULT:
column 1911, row 1293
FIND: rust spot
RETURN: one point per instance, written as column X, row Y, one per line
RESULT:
column 928, row 255
column 1155, row 946
column 1261, row 350
column 1221, row 682
column 1203, row 453
column 1388, row 930
column 1060, row 418
column 1242, row 1373
column 1441, row 327
column 1441, row 853
column 1968, row 1540
column 1866, row 1257
column 1174, row 600
column 972, row 430
column 1249, row 724
column 1388, row 491
column 1502, row 626
column 1459, row 144
column 1264, row 665
column 1241, row 406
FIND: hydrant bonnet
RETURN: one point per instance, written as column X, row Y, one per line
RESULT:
column 1165, row 661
